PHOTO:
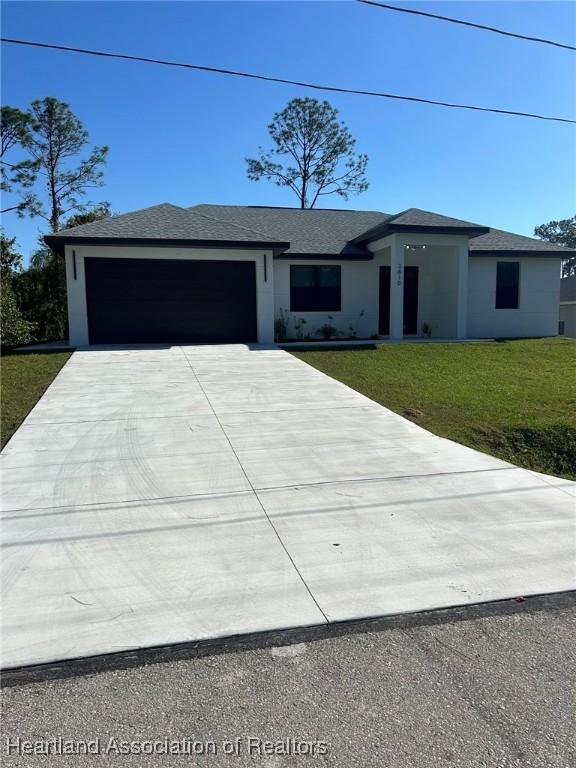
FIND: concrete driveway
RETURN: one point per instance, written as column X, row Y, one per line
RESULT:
column 170, row 494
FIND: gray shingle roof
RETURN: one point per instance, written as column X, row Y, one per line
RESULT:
column 309, row 231
column 498, row 240
column 165, row 222
column 415, row 220
column 568, row 288
column 415, row 217
column 321, row 232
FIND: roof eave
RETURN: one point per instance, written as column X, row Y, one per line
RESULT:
column 517, row 252
column 470, row 231
column 392, row 228
column 57, row 242
column 342, row 256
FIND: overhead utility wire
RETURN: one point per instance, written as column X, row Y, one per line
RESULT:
column 484, row 27
column 285, row 81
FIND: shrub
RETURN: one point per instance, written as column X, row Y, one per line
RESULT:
column 327, row 331
column 280, row 329
column 41, row 294
column 14, row 330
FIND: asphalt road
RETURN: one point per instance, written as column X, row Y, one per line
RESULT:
column 479, row 687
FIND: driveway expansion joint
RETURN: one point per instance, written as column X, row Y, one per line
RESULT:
column 283, row 545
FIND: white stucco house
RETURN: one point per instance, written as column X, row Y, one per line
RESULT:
column 219, row 273
column 568, row 306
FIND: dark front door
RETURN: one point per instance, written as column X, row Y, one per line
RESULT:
column 139, row 301
column 410, row 301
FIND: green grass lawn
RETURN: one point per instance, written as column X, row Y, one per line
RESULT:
column 513, row 399
column 24, row 377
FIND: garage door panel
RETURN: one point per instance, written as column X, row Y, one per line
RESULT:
column 169, row 300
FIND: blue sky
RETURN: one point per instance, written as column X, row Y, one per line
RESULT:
column 182, row 137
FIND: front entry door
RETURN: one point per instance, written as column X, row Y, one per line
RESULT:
column 410, row 301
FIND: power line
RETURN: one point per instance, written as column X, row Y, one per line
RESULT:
column 285, row 81
column 15, row 167
column 486, row 28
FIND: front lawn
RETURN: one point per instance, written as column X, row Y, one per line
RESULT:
column 24, row 377
column 513, row 399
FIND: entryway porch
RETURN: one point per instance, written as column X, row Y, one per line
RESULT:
column 423, row 287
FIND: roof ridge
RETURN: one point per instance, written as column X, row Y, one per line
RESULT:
column 285, row 208
column 443, row 215
column 395, row 216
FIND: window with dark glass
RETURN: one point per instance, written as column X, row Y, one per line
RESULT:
column 314, row 288
column 507, row 284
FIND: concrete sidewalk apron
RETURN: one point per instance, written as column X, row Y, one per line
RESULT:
column 177, row 493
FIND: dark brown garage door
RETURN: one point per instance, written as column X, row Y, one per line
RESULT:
column 137, row 301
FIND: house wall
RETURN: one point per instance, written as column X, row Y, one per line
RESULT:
column 568, row 315
column 537, row 313
column 76, row 286
column 437, row 291
column 359, row 305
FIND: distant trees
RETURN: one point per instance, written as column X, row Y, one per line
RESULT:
column 41, row 289
column 562, row 232
column 13, row 131
column 14, row 329
column 313, row 154
column 52, row 139
column 100, row 211
column 48, row 169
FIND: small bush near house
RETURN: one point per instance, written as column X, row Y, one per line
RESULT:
column 327, row 331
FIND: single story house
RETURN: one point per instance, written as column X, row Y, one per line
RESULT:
column 568, row 306
column 223, row 273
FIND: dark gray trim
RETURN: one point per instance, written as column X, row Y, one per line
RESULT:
column 74, row 264
column 326, row 256
column 370, row 256
column 438, row 230
column 265, row 268
column 57, row 242
column 519, row 253
column 390, row 228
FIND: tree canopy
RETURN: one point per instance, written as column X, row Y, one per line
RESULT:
column 313, row 154
column 562, row 232
column 48, row 168
column 54, row 141
column 100, row 211
column 14, row 329
column 10, row 256
column 42, row 164
column 14, row 169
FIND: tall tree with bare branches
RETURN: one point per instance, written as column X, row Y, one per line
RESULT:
column 54, row 141
column 313, row 154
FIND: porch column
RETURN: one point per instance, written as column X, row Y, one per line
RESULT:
column 462, row 291
column 397, row 289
